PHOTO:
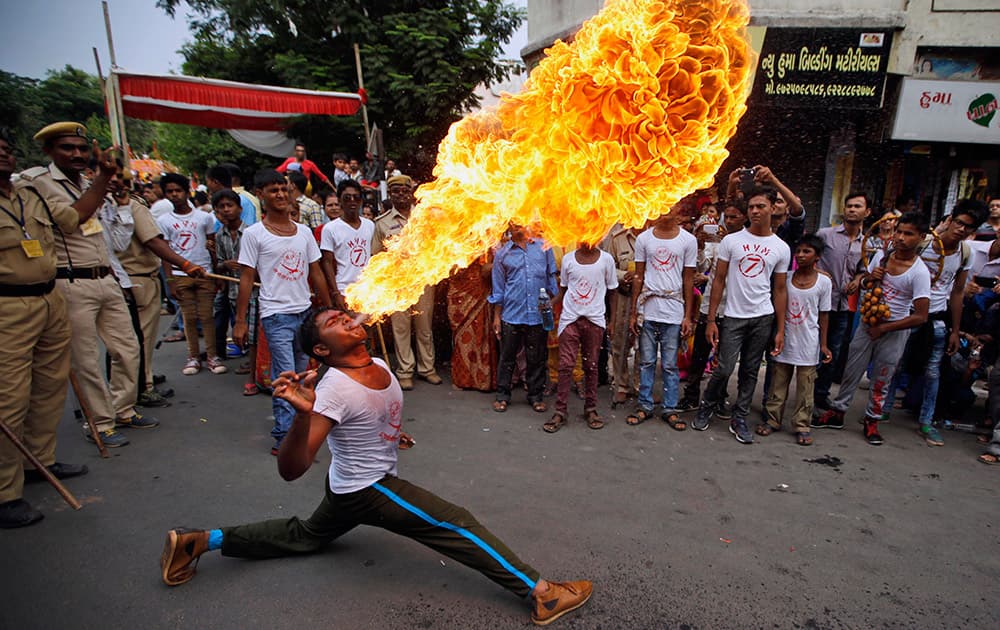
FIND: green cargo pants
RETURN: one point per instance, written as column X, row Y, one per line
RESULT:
column 399, row 507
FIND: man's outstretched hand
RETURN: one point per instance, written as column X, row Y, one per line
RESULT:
column 298, row 390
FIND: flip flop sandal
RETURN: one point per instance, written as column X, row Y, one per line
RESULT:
column 243, row 369
column 177, row 336
column 637, row 417
column 988, row 459
column 764, row 429
column 500, row 406
column 556, row 423
column 250, row 389
column 539, row 407
column 803, row 438
column 675, row 422
column 594, row 420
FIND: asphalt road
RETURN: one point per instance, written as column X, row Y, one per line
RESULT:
column 676, row 530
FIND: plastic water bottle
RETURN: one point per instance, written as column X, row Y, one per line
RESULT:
column 545, row 308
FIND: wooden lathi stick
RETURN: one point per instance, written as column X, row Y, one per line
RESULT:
column 45, row 472
column 215, row 276
column 89, row 416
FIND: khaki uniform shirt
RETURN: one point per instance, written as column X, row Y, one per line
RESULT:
column 16, row 268
column 136, row 259
column 622, row 249
column 85, row 251
column 389, row 223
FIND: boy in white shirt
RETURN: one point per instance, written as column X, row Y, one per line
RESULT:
column 284, row 254
column 346, row 243
column 750, row 263
column 188, row 233
column 734, row 218
column 587, row 275
column 928, row 345
column 663, row 287
column 806, row 323
column 905, row 283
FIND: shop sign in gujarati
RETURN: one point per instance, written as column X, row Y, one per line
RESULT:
column 823, row 68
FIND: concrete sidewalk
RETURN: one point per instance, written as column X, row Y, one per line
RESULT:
column 676, row 529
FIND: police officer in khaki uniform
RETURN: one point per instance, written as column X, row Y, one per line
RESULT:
column 626, row 381
column 97, row 307
column 34, row 330
column 419, row 316
column 141, row 261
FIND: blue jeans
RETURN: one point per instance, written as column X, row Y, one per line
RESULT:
column 838, row 339
column 932, row 373
column 666, row 337
column 282, row 331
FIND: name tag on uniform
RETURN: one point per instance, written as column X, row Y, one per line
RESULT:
column 32, row 248
column 92, row 226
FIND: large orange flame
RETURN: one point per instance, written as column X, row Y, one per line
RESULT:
column 615, row 127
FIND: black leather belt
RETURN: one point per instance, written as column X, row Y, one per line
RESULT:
column 82, row 273
column 27, row 290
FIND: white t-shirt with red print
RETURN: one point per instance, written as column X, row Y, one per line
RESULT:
column 752, row 259
column 802, row 321
column 351, row 248
column 666, row 259
column 364, row 440
column 282, row 262
column 901, row 291
column 586, row 287
column 187, row 235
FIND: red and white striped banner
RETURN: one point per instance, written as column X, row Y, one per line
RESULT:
column 226, row 104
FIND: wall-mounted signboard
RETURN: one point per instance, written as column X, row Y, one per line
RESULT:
column 822, row 68
column 948, row 111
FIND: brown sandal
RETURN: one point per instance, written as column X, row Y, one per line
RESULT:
column 764, row 429
column 637, row 417
column 674, row 421
column 556, row 423
column 989, row 459
column 499, row 406
column 594, row 420
column 539, row 407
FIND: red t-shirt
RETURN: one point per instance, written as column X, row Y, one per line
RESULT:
column 309, row 169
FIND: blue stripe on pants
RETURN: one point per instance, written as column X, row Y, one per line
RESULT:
column 479, row 542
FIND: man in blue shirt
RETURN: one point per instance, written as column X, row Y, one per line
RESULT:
column 522, row 267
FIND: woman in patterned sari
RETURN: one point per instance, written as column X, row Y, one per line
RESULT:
column 474, row 358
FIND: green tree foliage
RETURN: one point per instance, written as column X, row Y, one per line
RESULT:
column 422, row 59
column 69, row 94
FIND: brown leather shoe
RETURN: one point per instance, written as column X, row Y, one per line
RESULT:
column 559, row 599
column 406, row 384
column 432, row 378
column 180, row 554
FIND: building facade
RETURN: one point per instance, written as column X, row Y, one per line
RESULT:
column 896, row 98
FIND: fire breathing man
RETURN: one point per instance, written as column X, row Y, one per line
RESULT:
column 356, row 409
